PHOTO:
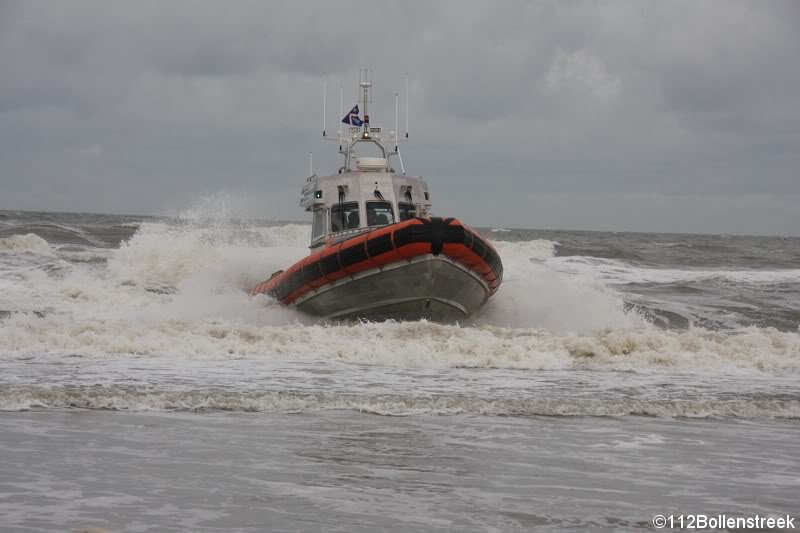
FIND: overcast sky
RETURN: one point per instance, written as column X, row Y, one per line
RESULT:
column 644, row 116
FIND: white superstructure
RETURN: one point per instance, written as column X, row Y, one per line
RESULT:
column 366, row 192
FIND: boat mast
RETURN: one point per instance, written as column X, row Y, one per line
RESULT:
column 347, row 141
column 365, row 87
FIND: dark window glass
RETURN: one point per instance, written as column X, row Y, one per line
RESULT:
column 406, row 211
column 318, row 227
column 379, row 213
column 345, row 216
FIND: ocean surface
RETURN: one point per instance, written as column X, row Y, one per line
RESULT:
column 613, row 377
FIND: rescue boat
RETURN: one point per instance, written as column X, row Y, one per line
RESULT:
column 377, row 250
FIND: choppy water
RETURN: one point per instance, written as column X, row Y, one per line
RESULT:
column 113, row 313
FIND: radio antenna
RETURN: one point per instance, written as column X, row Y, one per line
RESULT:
column 310, row 163
column 339, row 131
column 324, row 92
column 396, row 132
column 406, row 105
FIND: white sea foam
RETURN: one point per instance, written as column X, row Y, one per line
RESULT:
column 180, row 291
column 85, row 256
column 24, row 243
column 526, row 250
column 533, row 295
column 178, row 328
column 621, row 273
column 23, row 398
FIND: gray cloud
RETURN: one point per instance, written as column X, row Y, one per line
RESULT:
column 671, row 116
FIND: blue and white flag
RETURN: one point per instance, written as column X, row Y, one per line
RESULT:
column 352, row 117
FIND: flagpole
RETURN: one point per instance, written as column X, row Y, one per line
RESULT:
column 324, row 92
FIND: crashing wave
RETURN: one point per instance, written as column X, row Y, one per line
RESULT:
column 29, row 243
column 21, row 398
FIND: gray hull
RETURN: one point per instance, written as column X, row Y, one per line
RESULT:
column 430, row 287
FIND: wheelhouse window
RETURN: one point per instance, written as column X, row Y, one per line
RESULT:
column 318, row 225
column 406, row 211
column 345, row 216
column 379, row 213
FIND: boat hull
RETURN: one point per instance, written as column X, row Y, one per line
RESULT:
column 430, row 287
column 432, row 268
